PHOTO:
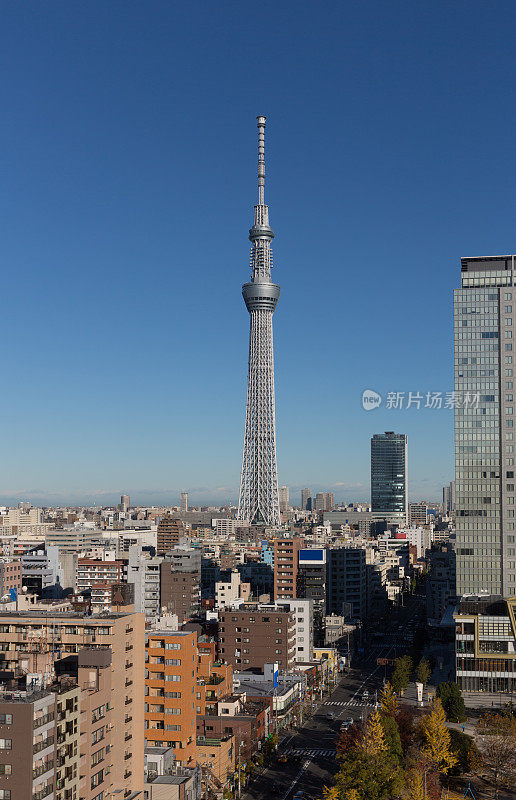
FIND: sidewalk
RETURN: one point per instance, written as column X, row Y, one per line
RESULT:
column 469, row 727
column 488, row 700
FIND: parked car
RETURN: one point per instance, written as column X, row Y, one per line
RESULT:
column 347, row 723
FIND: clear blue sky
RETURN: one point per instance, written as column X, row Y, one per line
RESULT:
column 128, row 145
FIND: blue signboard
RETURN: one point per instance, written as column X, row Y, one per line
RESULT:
column 14, row 593
column 311, row 555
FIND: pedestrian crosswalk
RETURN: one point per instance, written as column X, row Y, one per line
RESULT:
column 353, row 701
column 300, row 751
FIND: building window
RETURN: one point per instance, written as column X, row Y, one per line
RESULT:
column 6, row 744
column 5, row 769
column 97, row 778
column 6, row 719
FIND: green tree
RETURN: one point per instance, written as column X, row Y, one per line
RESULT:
column 437, row 739
column 392, row 737
column 423, row 671
column 372, row 777
column 400, row 678
column 452, row 701
column 466, row 752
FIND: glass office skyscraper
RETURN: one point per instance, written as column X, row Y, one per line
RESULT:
column 484, row 321
column 389, row 474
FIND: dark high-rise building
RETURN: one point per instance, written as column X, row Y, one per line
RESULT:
column 347, row 581
column 389, row 474
column 306, row 499
column 312, row 584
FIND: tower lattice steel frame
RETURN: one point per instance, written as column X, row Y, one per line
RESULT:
column 259, row 502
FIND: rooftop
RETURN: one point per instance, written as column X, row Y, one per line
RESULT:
column 65, row 615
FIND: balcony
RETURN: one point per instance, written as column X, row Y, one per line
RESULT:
column 43, row 720
column 46, row 767
column 44, row 792
column 42, row 746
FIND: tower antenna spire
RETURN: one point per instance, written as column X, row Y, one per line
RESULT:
column 261, row 160
column 258, row 501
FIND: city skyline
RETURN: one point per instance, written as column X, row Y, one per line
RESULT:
column 106, row 247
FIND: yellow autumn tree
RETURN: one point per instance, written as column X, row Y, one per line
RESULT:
column 437, row 738
column 415, row 785
column 374, row 738
column 388, row 701
column 331, row 793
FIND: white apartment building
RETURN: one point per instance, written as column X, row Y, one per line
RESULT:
column 304, row 612
column 228, row 592
column 143, row 571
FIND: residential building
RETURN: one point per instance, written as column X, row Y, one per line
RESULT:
column 313, row 585
column 30, row 643
column 227, row 592
column 284, row 499
column 417, row 514
column 440, row 581
column 42, row 571
column 10, row 577
column 484, row 320
column 347, row 588
column 169, row 534
column 273, row 637
column 27, row 731
column 247, row 721
column 389, row 474
column 226, row 528
column 184, row 501
column 286, row 566
column 171, row 681
column 144, row 573
column 324, row 501
column 306, row 500
column 125, row 503
column 180, row 582
column 93, row 571
column 303, row 610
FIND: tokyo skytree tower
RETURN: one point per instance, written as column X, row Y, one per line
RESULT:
column 259, row 501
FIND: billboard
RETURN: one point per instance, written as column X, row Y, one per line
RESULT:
column 312, row 557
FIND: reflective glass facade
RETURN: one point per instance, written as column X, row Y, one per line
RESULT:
column 484, row 426
column 389, row 473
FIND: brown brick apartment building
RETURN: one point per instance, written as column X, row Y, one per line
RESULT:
column 112, row 667
column 250, row 638
column 286, row 567
column 169, row 534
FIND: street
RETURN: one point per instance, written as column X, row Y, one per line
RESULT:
column 310, row 751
